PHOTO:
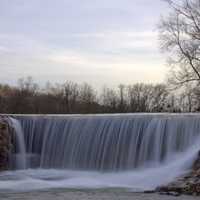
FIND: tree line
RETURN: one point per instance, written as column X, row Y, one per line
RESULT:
column 71, row 98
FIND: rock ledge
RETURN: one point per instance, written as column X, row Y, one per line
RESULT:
column 5, row 143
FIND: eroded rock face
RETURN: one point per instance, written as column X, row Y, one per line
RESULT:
column 5, row 143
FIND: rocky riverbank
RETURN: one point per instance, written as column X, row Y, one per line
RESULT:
column 5, row 143
column 188, row 184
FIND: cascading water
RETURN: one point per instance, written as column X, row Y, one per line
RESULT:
column 139, row 151
column 120, row 142
column 20, row 155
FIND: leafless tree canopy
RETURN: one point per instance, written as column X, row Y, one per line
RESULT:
column 70, row 97
column 180, row 38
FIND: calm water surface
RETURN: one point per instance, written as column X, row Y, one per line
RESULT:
column 101, row 194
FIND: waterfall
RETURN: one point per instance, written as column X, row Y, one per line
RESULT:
column 106, row 142
column 137, row 151
column 20, row 152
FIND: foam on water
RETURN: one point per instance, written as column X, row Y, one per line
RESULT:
column 137, row 180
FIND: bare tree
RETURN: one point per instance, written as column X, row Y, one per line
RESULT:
column 24, row 96
column 139, row 97
column 180, row 38
column 158, row 99
column 27, row 85
column 87, row 98
column 122, row 104
column 71, row 93
column 109, row 100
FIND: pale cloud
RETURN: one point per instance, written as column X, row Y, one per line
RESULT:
column 102, row 42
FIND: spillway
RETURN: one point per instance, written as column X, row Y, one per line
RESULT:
column 139, row 151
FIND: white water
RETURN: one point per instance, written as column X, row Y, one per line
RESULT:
column 179, row 154
column 20, row 156
column 137, row 180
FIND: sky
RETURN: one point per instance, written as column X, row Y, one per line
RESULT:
column 102, row 42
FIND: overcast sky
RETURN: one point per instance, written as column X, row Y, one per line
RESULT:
column 96, row 41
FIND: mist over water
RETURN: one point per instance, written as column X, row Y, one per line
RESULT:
column 138, row 152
